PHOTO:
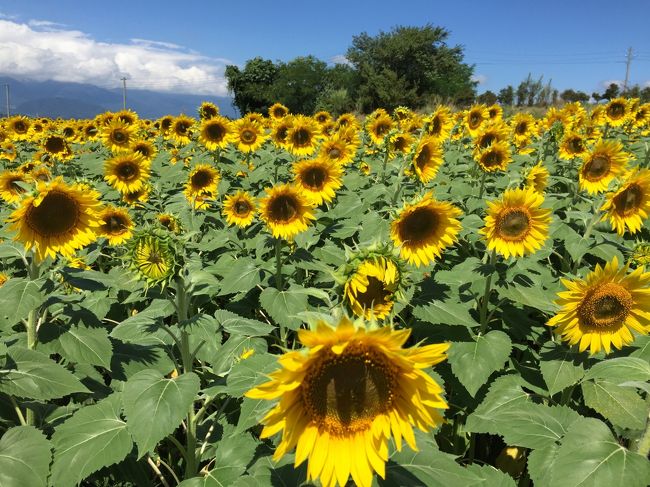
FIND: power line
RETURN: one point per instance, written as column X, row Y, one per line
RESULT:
column 124, row 91
column 627, row 68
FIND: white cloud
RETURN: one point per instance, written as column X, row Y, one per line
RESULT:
column 42, row 50
column 481, row 79
column 606, row 83
column 340, row 59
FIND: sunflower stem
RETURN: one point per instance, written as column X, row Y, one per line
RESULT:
column 31, row 325
column 279, row 284
column 643, row 447
column 483, row 312
column 384, row 164
column 588, row 229
column 182, row 309
column 480, row 191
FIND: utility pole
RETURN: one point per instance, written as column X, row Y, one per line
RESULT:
column 7, row 93
column 627, row 69
column 124, row 91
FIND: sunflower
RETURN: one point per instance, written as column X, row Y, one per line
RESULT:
column 129, row 117
column 57, row 148
column 41, row 173
column 424, row 229
column 572, row 145
column 370, row 289
column 489, row 133
column 337, row 149
column 279, row 132
column 249, row 135
column 181, row 129
column 152, row 256
column 523, row 126
column 401, row 142
column 208, row 110
column 59, row 219
column 126, row 173
column 537, row 178
column 90, row 131
column 10, row 190
column 323, row 117
column 302, row 136
column 318, row 180
column 495, row 112
column 170, row 222
column 137, row 196
column 18, row 127
column 428, row 158
column 239, row 209
column 286, row 211
column 146, row 149
column 117, row 226
column 630, row 204
column 118, row 136
column 601, row 165
column 475, row 117
column 516, row 225
column 599, row 311
column 165, row 124
column 617, row 112
column 495, row 157
column 278, row 111
column 641, row 116
column 215, row 133
column 8, row 151
column 553, row 116
column 378, row 128
column 201, row 185
column 346, row 120
column 440, row 123
column 342, row 396
column 3, row 278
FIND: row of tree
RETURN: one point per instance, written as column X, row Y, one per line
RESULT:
column 407, row 66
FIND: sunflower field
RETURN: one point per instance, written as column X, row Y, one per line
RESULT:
column 455, row 298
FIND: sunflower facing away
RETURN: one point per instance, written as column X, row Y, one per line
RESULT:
column 424, row 229
column 342, row 396
column 515, row 225
column 239, row 209
column 286, row 211
column 318, row 180
column 630, row 204
column 370, row 289
column 601, row 165
column 537, row 178
column 599, row 311
column 126, row 173
column 59, row 219
column 117, row 226
column 428, row 158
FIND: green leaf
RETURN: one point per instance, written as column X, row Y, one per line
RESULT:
column 445, row 313
column 540, row 464
column 228, row 354
column 233, row 323
column 248, row 373
column 251, row 412
column 590, row 456
column 490, row 476
column 242, row 276
column 87, row 345
column 231, row 458
column 621, row 405
column 473, row 362
column 93, row 438
column 505, row 394
column 142, row 327
column 19, row 296
column 283, row 306
column 154, row 406
column 531, row 295
column 561, row 368
column 35, row 376
column 621, row 369
column 25, row 456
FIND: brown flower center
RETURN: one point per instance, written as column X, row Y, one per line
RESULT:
column 334, row 153
column 491, row 158
column 119, row 136
column 248, row 136
column 419, row 226
column 436, row 126
column 486, row 140
column 575, row 145
column 215, row 132
column 513, row 224
column 54, row 145
column 423, row 157
column 314, row 178
column 376, row 294
column 284, row 208
column 242, row 208
column 521, row 128
column 57, row 214
column 606, row 306
column 596, row 168
column 381, row 129
column 629, row 201
column 475, row 120
column 301, row 137
column 114, row 225
column 616, row 110
column 127, row 171
column 344, row 393
column 182, row 128
column 200, row 179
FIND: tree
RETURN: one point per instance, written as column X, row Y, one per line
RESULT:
column 488, row 98
column 572, row 96
column 299, row 82
column 252, row 86
column 506, row 95
column 407, row 66
column 612, row 91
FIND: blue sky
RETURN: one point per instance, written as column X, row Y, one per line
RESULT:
column 576, row 44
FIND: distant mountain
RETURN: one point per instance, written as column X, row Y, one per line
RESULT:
column 77, row 100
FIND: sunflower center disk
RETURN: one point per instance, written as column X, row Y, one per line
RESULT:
column 248, row 136
column 487, row 140
column 242, row 208
column 301, row 137
column 201, row 179
column 521, row 128
column 314, row 178
column 629, row 200
column 215, row 132
column 115, row 224
column 423, row 157
column 436, row 126
column 514, row 224
column 344, row 393
column 491, row 158
column 283, row 208
column 334, row 153
column 57, row 214
column 374, row 295
column 616, row 110
column 606, row 306
column 128, row 171
column 119, row 136
column 597, row 168
column 54, row 145
column 575, row 145
column 382, row 129
column 419, row 226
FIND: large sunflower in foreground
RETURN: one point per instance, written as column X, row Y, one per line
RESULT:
column 117, row 226
column 601, row 165
column 516, row 225
column 286, row 211
column 424, row 229
column 428, row 158
column 317, row 179
column 58, row 219
column 371, row 287
column 127, row 173
column 343, row 395
column 239, row 209
column 599, row 311
column 630, row 204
